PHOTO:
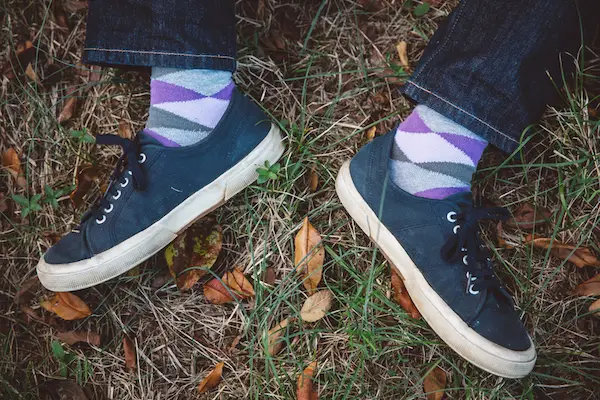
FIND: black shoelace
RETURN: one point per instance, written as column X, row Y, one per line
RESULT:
column 467, row 246
column 127, row 169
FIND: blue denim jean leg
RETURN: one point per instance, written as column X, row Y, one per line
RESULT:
column 162, row 33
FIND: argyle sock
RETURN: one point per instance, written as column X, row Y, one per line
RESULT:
column 433, row 156
column 186, row 104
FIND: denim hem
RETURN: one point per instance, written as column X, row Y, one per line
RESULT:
column 457, row 114
column 102, row 56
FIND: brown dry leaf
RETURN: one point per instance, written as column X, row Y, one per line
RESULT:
column 234, row 343
column 68, row 110
column 500, row 236
column 73, row 337
column 212, row 380
column 435, row 384
column 581, row 257
column 216, row 293
column 595, row 308
column 316, row 306
column 402, row 49
column 194, row 252
column 314, row 180
column 402, row 297
column 591, row 287
column 27, row 290
column 67, row 306
column 269, row 276
column 125, row 130
column 130, row 353
column 274, row 341
column 309, row 256
column 31, row 74
column 17, row 65
column 304, row 390
column 528, row 217
column 32, row 315
column 238, row 283
column 76, row 5
column 86, row 176
column 371, row 133
column 11, row 161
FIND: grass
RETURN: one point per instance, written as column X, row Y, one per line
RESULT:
column 310, row 65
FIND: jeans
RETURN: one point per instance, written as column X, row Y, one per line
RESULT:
column 492, row 66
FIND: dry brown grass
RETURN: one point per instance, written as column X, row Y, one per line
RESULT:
column 328, row 91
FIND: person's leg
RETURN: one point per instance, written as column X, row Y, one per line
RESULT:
column 202, row 144
column 485, row 76
column 190, row 46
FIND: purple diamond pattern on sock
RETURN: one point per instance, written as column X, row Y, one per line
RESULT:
column 186, row 105
column 434, row 163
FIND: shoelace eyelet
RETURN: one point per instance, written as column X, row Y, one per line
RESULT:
column 116, row 196
column 123, row 184
column 100, row 221
column 109, row 209
column 451, row 216
column 142, row 158
column 456, row 228
column 465, row 260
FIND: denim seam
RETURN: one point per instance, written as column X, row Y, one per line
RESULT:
column 462, row 110
column 159, row 53
column 422, row 68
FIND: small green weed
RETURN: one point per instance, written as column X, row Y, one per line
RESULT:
column 268, row 172
column 69, row 362
column 83, row 136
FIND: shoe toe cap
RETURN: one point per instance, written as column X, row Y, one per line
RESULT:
column 71, row 248
column 500, row 324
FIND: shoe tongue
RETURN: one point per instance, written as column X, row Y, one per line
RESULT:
column 462, row 199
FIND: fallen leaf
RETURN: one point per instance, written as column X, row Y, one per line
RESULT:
column 72, row 337
column 62, row 390
column 269, row 276
column 32, row 315
column 402, row 297
column 275, row 344
column 304, row 390
column 11, row 161
column 67, row 306
column 434, row 384
column 68, row 110
column 402, row 49
column 31, row 74
column 17, row 65
column 234, row 343
column 125, row 130
column 309, row 256
column 385, row 69
column 238, row 283
column 212, row 380
column 194, row 252
column 314, row 180
column 528, row 217
column 86, row 176
column 76, row 5
column 130, row 354
column 316, row 306
column 27, row 290
column 580, row 256
column 216, row 293
column 591, row 287
column 371, row 133
column 595, row 308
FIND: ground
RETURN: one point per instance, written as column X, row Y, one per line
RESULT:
column 316, row 68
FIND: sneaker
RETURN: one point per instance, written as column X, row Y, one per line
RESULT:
column 436, row 248
column 156, row 192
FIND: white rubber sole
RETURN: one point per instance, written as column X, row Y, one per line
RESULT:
column 476, row 349
column 126, row 255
